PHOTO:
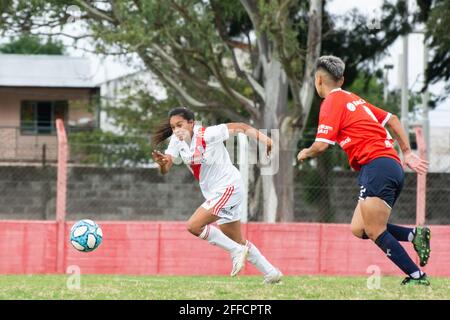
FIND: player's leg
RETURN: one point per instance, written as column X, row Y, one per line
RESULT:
column 375, row 214
column 199, row 220
column 419, row 236
column 255, row 257
column 233, row 231
column 384, row 178
column 357, row 224
column 199, row 225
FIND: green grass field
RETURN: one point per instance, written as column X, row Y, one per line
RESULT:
column 213, row 287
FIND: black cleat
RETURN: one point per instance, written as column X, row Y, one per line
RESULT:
column 422, row 281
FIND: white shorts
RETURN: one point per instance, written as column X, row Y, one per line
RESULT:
column 226, row 204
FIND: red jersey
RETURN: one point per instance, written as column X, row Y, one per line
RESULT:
column 357, row 126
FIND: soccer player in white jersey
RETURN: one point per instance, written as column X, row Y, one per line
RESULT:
column 203, row 151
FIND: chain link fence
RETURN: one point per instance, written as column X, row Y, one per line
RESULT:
column 118, row 181
column 328, row 193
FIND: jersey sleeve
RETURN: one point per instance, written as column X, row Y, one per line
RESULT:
column 381, row 115
column 216, row 134
column 329, row 121
column 173, row 148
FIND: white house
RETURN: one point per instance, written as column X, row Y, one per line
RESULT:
column 35, row 90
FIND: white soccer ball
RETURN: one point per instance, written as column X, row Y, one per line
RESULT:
column 86, row 235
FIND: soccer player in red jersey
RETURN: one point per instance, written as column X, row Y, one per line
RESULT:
column 358, row 127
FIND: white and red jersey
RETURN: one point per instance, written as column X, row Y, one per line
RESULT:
column 357, row 126
column 208, row 159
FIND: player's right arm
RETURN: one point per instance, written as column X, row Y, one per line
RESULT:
column 164, row 160
column 327, row 131
column 410, row 159
column 399, row 134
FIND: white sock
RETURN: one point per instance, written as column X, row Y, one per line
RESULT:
column 411, row 235
column 416, row 275
column 217, row 238
column 258, row 260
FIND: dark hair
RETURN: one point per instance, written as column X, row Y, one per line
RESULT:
column 164, row 131
column 334, row 66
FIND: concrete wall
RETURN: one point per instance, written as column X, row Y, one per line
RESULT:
column 143, row 194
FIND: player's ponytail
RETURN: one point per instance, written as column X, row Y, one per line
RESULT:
column 164, row 131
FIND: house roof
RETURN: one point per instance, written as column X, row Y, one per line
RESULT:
column 23, row 70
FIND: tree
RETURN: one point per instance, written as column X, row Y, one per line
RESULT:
column 187, row 45
column 435, row 14
column 192, row 46
column 29, row 44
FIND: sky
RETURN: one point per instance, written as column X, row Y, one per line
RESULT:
column 106, row 68
column 439, row 117
column 111, row 67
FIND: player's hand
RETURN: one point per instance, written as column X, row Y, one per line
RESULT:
column 303, row 155
column 160, row 158
column 415, row 163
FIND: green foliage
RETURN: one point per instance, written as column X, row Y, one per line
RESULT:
column 436, row 16
column 109, row 149
column 29, row 44
column 135, row 116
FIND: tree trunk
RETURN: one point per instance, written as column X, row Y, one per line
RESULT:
column 276, row 91
column 284, row 182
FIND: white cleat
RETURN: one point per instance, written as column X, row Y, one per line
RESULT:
column 239, row 260
column 273, row 277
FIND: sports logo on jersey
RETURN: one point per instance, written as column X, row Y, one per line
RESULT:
column 345, row 141
column 351, row 106
column 226, row 212
column 358, row 102
column 323, row 128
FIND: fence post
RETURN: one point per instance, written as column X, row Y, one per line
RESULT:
column 61, row 194
column 421, row 179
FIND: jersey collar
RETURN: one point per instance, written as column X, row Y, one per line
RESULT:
column 336, row 90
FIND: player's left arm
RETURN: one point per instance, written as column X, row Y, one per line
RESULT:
column 240, row 127
column 410, row 159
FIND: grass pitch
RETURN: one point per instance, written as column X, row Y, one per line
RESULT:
column 111, row 287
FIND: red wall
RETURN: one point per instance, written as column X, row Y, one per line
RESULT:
column 29, row 247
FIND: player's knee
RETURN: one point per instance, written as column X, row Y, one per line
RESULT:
column 374, row 232
column 193, row 228
column 357, row 232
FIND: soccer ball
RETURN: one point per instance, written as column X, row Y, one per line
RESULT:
column 86, row 235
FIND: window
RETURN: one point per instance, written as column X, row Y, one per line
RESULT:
column 38, row 117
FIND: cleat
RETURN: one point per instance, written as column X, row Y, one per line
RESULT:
column 273, row 277
column 421, row 243
column 239, row 260
column 422, row 281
